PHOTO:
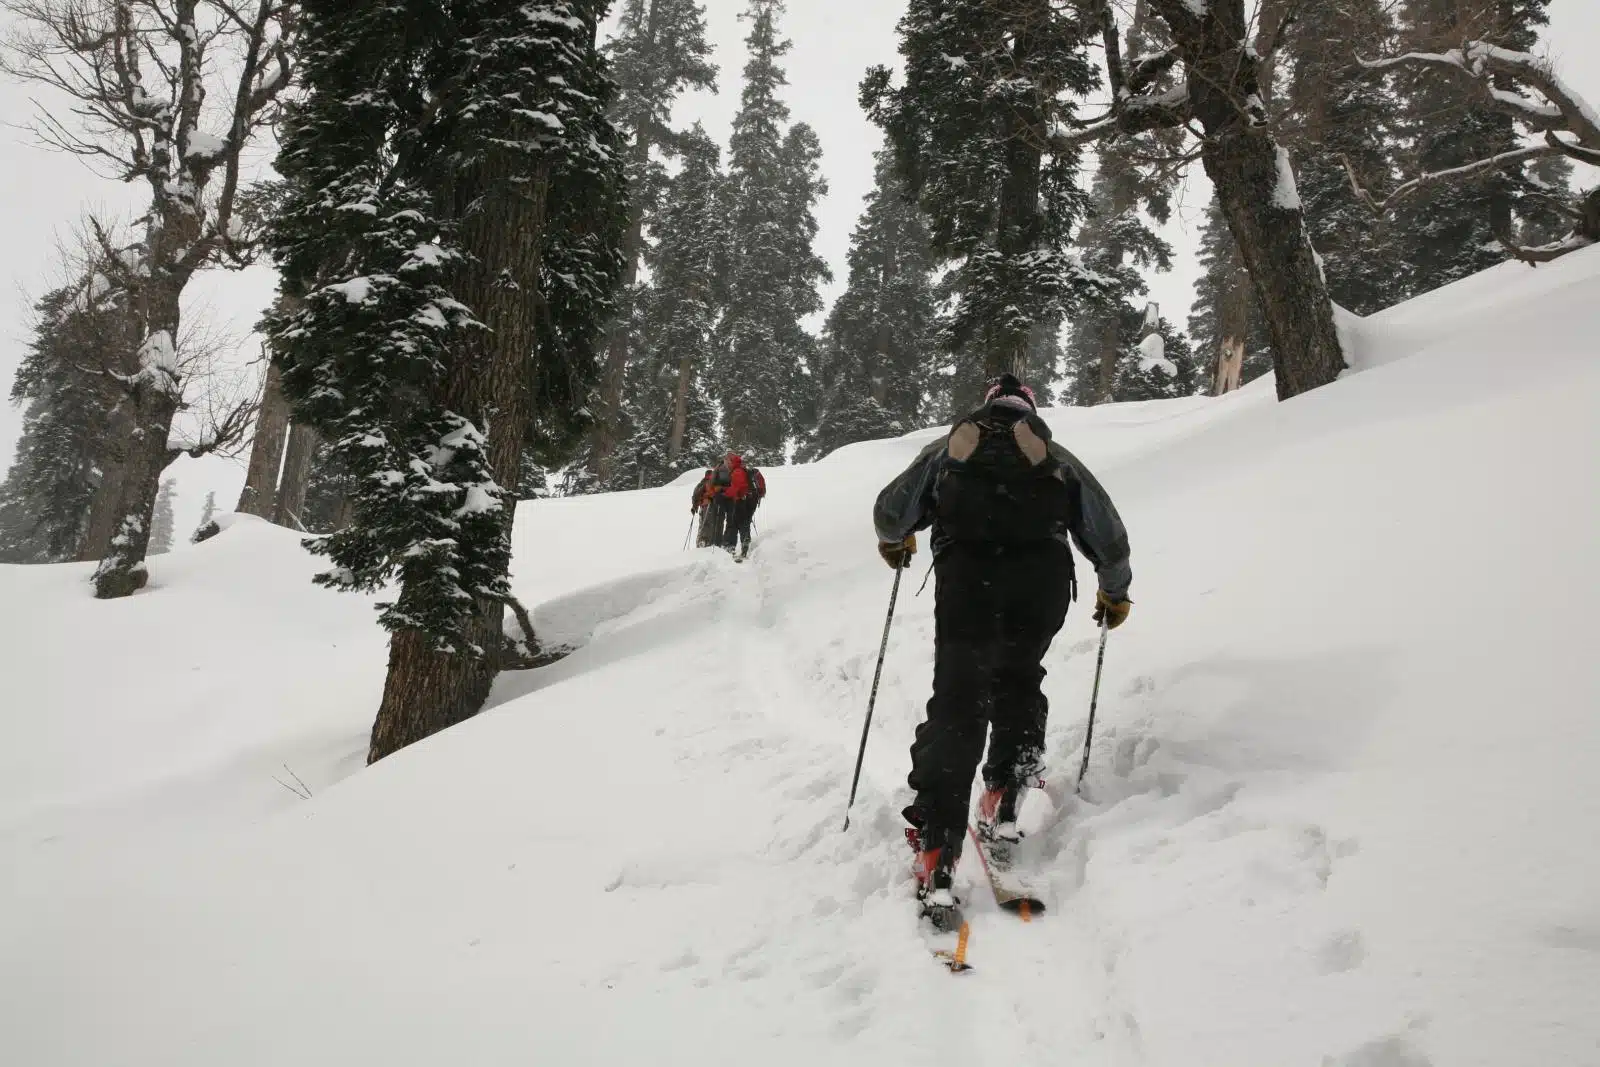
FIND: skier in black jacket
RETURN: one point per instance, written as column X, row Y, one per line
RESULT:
column 1003, row 501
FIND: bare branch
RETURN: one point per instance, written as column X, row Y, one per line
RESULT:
column 1491, row 165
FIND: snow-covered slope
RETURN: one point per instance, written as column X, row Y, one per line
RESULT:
column 1341, row 809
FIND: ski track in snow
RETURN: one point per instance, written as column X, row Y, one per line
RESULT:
column 1336, row 814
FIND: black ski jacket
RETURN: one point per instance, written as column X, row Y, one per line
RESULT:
column 910, row 503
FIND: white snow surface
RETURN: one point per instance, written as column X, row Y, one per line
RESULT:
column 1341, row 808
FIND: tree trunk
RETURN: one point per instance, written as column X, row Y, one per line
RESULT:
column 290, row 501
column 266, row 451
column 153, row 404
column 1257, row 196
column 428, row 690
column 680, row 407
column 102, row 523
column 608, row 427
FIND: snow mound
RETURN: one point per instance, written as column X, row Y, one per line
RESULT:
column 1338, row 810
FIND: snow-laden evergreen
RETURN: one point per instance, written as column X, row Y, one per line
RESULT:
column 971, row 130
column 879, row 344
column 761, row 377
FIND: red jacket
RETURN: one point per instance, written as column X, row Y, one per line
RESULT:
column 738, row 480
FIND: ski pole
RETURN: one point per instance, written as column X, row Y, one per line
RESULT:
column 883, row 650
column 1094, row 701
column 689, row 534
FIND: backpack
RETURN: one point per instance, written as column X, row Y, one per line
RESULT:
column 758, row 484
column 996, row 495
column 722, row 477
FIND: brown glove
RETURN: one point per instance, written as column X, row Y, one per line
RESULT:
column 898, row 554
column 1111, row 612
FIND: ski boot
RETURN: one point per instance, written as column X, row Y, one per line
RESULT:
column 934, row 869
column 996, row 825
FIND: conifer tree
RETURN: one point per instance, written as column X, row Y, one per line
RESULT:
column 1158, row 364
column 1116, row 238
column 659, row 52
column 668, row 405
column 1450, row 231
column 452, row 235
column 971, row 129
column 761, row 375
column 161, row 520
column 1338, row 117
column 68, row 450
column 874, row 360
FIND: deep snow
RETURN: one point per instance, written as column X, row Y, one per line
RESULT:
column 1341, row 809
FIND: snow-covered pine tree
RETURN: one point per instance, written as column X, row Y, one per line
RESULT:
column 760, row 375
column 62, row 478
column 453, row 230
column 1226, row 327
column 207, row 526
column 874, row 360
column 1449, row 231
column 659, row 51
column 673, row 419
column 161, row 520
column 971, row 128
column 1336, row 114
column 1158, row 364
column 1130, row 184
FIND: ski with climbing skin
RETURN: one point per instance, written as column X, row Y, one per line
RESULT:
column 1013, row 891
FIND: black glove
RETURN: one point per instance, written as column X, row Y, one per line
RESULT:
column 897, row 554
column 1111, row 612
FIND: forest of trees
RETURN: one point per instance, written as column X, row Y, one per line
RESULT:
column 494, row 288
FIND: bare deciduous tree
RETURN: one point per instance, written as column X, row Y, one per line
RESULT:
column 167, row 93
column 1528, row 88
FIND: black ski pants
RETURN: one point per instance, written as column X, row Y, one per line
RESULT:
column 996, row 610
column 741, row 513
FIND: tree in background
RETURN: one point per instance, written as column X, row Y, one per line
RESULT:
column 451, row 239
column 161, row 521
column 1337, row 116
column 1160, row 362
column 658, row 52
column 673, row 417
column 170, row 95
column 58, row 499
column 987, row 85
column 761, row 373
column 1226, row 327
column 1485, row 194
column 874, row 361
column 1135, row 180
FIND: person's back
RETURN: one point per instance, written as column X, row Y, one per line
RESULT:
column 1006, row 504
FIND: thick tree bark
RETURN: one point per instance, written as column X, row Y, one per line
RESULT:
column 680, row 407
column 152, row 404
column 290, row 501
column 608, row 428
column 428, row 690
column 1257, row 193
column 266, row 452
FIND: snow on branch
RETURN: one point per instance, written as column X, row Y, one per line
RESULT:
column 1562, row 108
column 1528, row 88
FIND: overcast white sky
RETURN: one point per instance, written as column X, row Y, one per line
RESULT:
column 834, row 43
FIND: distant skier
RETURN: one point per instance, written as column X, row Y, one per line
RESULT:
column 744, row 507
column 700, row 504
column 739, row 499
column 1002, row 499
